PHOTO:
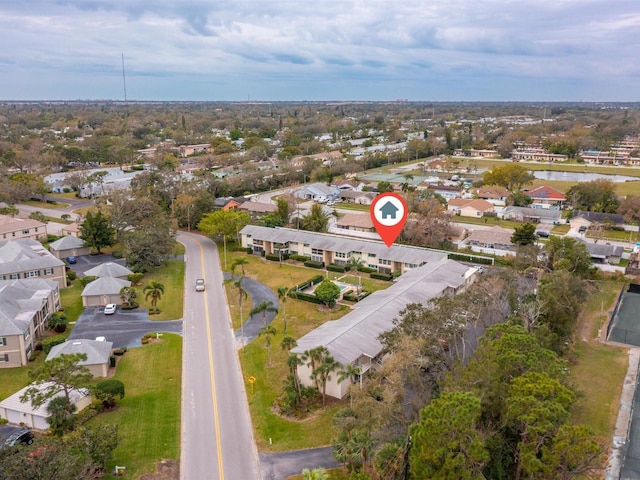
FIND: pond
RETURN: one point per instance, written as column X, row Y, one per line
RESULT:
column 580, row 177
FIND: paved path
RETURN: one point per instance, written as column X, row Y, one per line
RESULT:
column 276, row 466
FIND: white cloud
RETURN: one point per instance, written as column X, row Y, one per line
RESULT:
column 318, row 49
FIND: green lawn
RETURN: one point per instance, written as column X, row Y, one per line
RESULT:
column 302, row 317
column 613, row 235
column 39, row 204
column 560, row 229
column 599, row 369
column 12, row 380
column 353, row 206
column 72, row 301
column 148, row 417
column 171, row 303
column 486, row 221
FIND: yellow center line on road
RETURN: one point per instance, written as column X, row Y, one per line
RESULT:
column 214, row 395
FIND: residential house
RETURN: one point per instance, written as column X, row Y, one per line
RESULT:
column 73, row 230
column 354, row 338
column 109, row 269
column 546, row 197
column 474, row 152
column 532, row 215
column 257, row 209
column 494, row 240
column 103, row 291
column 27, row 258
column 604, row 252
column 317, row 192
column 336, row 249
column 357, row 222
column 494, row 195
column 188, row 150
column 470, row 208
column 361, row 198
column 229, row 203
column 69, row 246
column 97, row 352
column 537, row 154
column 342, row 185
column 25, row 308
column 19, row 413
column 581, row 218
column 445, row 191
column 12, row 228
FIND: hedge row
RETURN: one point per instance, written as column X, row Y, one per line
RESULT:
column 50, row 342
column 313, row 281
column 381, row 276
column 351, row 296
column 275, row 257
column 313, row 264
column 305, row 297
column 366, row 269
column 336, row 268
column 469, row 258
column 299, row 258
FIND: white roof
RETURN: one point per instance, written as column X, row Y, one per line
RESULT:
column 13, row 402
column 25, row 254
column 67, row 243
column 20, row 300
column 357, row 332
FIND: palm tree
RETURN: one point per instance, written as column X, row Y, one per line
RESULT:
column 239, row 262
column 355, row 264
column 153, row 290
column 288, row 343
column 242, row 293
column 315, row 474
column 282, row 296
column 263, row 308
column 313, row 358
column 350, row 371
column 293, row 362
column 406, row 186
column 360, row 446
column 61, row 416
column 323, row 373
column 267, row 331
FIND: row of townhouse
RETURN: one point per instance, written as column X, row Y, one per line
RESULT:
column 25, row 308
column 12, row 228
column 332, row 249
column 27, row 258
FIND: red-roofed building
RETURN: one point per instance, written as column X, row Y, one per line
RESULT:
column 547, row 197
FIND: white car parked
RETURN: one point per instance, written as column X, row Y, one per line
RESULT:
column 110, row 309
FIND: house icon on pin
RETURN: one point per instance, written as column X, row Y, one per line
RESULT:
column 389, row 210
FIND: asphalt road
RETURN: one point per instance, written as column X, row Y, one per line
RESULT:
column 217, row 437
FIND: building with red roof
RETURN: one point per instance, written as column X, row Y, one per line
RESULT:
column 547, row 197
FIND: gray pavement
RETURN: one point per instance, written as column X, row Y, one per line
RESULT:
column 125, row 328
column 276, row 466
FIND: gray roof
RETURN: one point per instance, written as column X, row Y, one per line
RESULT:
column 19, row 302
column 602, row 250
column 357, row 332
column 67, row 243
column 336, row 243
column 105, row 286
column 13, row 402
column 533, row 212
column 319, row 189
column 598, row 217
column 25, row 254
column 97, row 352
column 108, row 269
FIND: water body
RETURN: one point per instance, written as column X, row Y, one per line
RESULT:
column 580, row 177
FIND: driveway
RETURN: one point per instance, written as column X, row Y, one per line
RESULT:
column 6, row 430
column 86, row 262
column 124, row 328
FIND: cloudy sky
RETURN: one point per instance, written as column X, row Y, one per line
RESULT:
column 444, row 50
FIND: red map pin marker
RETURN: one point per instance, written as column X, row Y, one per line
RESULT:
column 389, row 214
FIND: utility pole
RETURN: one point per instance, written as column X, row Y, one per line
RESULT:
column 124, row 80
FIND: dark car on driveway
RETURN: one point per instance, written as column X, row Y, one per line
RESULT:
column 19, row 437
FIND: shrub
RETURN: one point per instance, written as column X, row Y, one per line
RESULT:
column 381, row 276
column 34, row 355
column 51, row 238
column 112, row 361
column 313, row 264
column 249, row 250
column 71, row 275
column 299, row 258
column 305, row 297
column 50, row 342
column 366, row 269
column 66, row 190
column 58, row 321
column 120, row 351
column 144, row 340
column 469, row 258
column 351, row 296
column 117, row 254
column 336, row 268
column 273, row 257
column 86, row 280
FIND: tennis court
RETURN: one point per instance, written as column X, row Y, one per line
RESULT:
column 625, row 327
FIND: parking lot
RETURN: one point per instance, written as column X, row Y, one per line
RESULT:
column 124, row 328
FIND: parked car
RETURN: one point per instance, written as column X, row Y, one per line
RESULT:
column 71, row 260
column 582, row 229
column 110, row 309
column 200, row 285
column 22, row 436
column 542, row 234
